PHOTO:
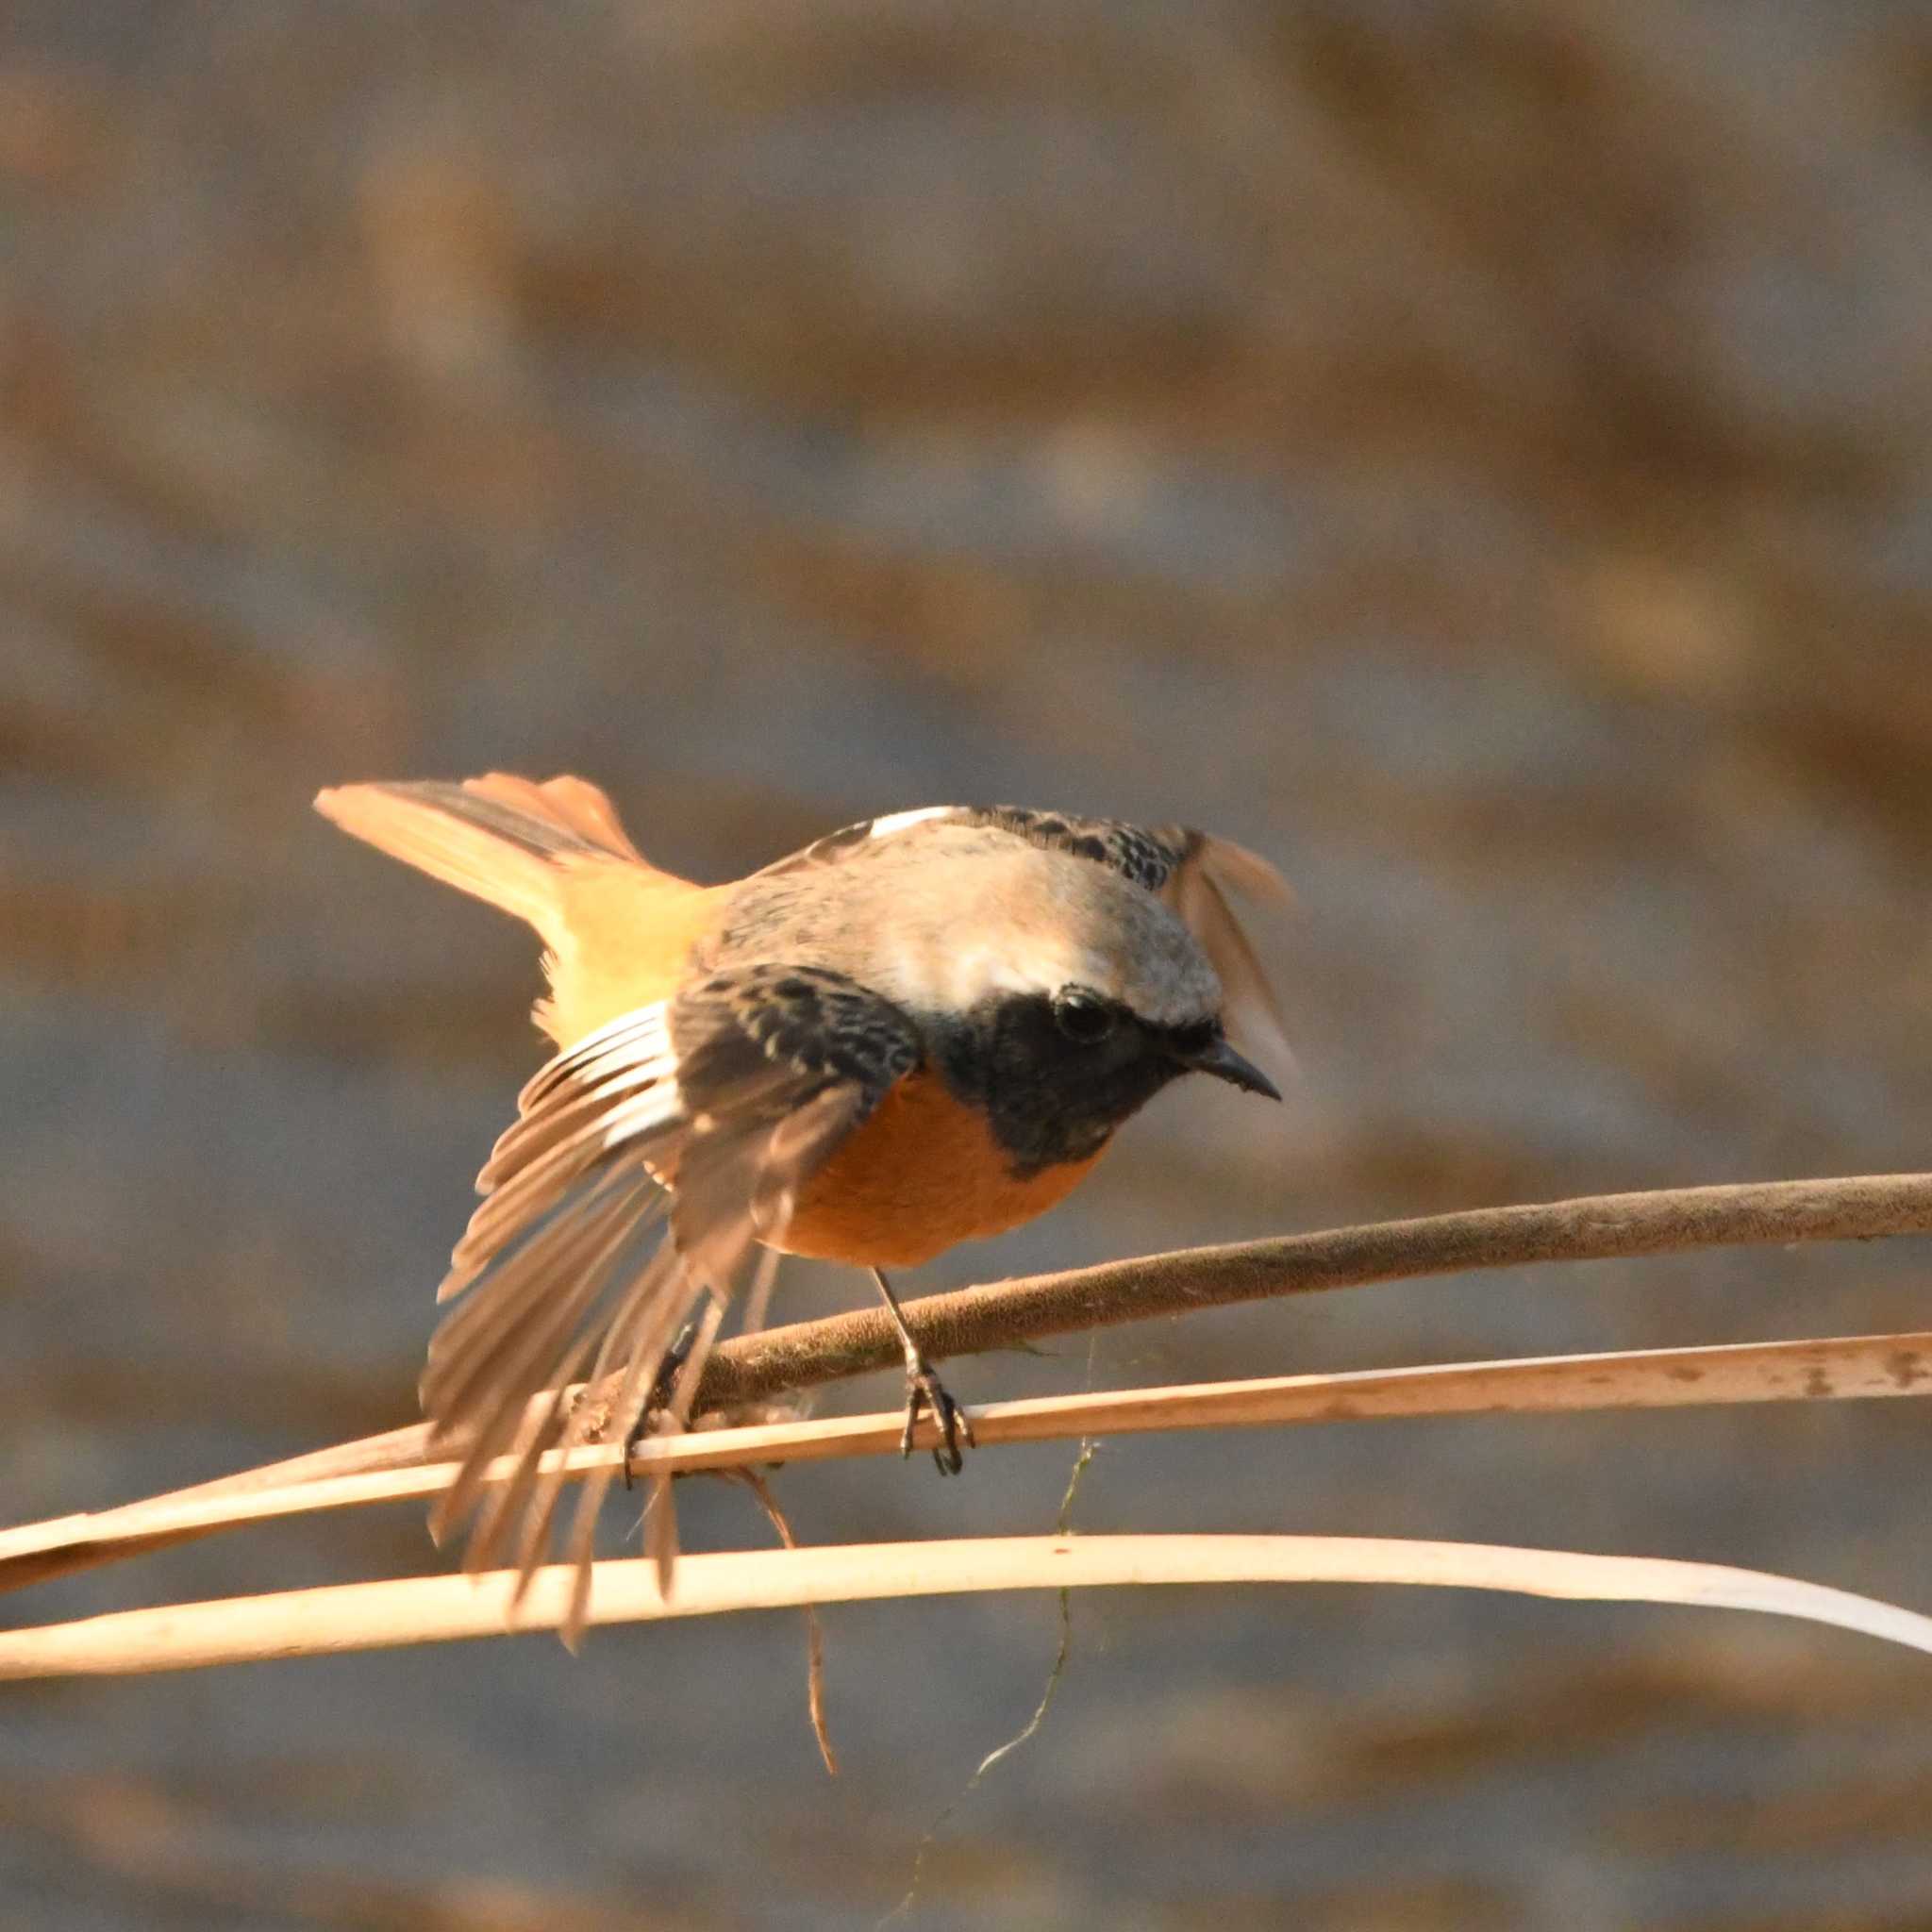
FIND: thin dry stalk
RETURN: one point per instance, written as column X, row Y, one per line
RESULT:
column 1844, row 1368
column 365, row 1616
column 814, row 1631
column 755, row 1368
column 1594, row 1229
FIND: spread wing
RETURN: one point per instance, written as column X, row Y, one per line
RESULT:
column 1193, row 873
column 645, row 1163
column 1208, row 871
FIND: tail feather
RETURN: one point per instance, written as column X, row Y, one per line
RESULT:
column 583, row 806
column 560, row 817
column 509, row 841
column 440, row 831
column 616, row 928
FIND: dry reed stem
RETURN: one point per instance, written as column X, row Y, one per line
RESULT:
column 365, row 1616
column 1596, row 1227
column 1593, row 1227
column 1840, row 1368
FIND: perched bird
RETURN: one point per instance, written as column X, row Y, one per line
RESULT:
column 916, row 1032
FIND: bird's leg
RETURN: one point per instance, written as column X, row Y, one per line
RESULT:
column 663, row 1385
column 924, row 1390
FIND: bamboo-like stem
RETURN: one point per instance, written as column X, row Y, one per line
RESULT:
column 756, row 1367
column 1593, row 1228
column 1843, row 1367
column 363, row 1616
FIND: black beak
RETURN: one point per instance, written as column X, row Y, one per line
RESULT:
column 1225, row 1064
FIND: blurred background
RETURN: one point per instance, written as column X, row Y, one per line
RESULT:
column 1477, row 455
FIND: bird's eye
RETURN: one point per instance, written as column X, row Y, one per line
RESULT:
column 1082, row 1016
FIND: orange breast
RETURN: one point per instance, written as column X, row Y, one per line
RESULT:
column 923, row 1173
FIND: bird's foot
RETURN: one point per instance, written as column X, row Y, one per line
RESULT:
column 926, row 1393
column 663, row 1386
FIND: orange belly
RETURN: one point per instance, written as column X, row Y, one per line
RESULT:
column 923, row 1173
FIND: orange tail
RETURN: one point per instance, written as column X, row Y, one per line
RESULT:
column 617, row 929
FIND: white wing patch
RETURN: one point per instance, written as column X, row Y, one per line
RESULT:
column 630, row 1055
column 635, row 1038
column 900, row 821
column 615, row 1087
column 651, row 1112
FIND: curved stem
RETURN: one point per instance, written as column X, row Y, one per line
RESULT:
column 1594, row 1229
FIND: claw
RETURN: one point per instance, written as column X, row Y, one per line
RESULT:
column 925, row 1392
column 663, row 1385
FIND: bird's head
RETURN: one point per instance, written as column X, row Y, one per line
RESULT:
column 1078, row 997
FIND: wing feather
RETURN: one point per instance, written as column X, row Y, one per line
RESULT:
column 708, row 1114
column 1208, row 869
column 531, row 1326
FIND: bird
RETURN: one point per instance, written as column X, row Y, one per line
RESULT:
column 918, row 1030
